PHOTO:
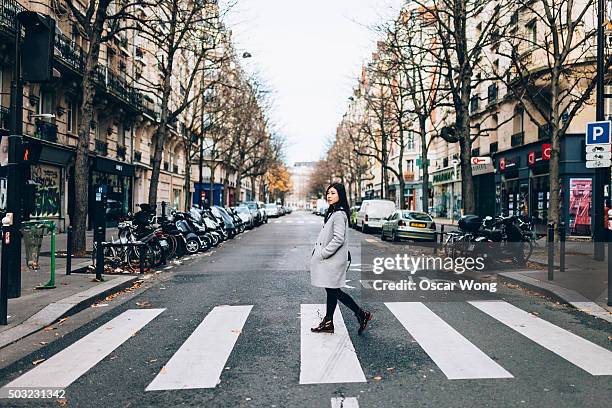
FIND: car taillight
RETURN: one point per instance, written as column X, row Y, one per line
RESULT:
column 401, row 224
column 366, row 217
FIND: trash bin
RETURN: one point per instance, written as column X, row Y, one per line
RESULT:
column 32, row 232
column 32, row 238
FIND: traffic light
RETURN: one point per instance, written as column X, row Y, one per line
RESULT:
column 38, row 45
column 27, row 151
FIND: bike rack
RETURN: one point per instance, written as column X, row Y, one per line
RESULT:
column 100, row 255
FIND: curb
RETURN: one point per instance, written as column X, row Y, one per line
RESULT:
column 566, row 296
column 65, row 307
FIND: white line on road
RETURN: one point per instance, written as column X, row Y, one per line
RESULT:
column 277, row 222
column 289, row 222
column 343, row 402
column 326, row 358
column 198, row 363
column 455, row 355
column 68, row 365
column 590, row 357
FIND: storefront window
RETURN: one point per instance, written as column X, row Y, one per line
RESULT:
column 540, row 194
column 580, row 206
column 510, row 196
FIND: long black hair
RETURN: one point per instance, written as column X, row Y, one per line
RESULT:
column 341, row 205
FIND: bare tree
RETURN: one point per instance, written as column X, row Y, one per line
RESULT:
column 182, row 33
column 461, row 30
column 98, row 22
column 552, row 70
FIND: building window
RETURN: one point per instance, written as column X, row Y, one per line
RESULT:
column 45, row 103
column 71, row 117
column 410, row 165
column 532, row 32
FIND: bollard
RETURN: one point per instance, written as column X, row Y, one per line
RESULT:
column 562, row 247
column 163, row 210
column 551, row 250
column 142, row 258
column 69, row 250
column 99, row 260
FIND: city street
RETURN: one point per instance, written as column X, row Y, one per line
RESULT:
column 232, row 329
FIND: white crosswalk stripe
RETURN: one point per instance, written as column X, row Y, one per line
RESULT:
column 198, row 363
column 590, row 357
column 455, row 355
column 326, row 358
column 68, row 365
column 350, row 402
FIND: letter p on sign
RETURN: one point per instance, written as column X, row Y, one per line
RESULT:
column 598, row 133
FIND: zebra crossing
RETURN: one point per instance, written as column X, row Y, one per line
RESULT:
column 297, row 221
column 324, row 358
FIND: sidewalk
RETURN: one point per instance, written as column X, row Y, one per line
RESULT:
column 583, row 284
column 36, row 308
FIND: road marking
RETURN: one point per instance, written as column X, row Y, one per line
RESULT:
column 590, row 357
column 343, row 402
column 68, row 365
column 312, row 222
column 300, row 222
column 198, row 363
column 289, row 222
column 326, row 358
column 455, row 355
column 277, row 222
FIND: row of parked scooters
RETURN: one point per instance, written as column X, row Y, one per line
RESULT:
column 183, row 233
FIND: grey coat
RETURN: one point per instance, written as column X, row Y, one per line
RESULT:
column 329, row 258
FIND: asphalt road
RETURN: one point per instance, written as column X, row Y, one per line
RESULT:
column 240, row 315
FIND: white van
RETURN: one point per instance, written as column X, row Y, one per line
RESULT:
column 371, row 214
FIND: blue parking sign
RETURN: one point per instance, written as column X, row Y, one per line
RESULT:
column 598, row 133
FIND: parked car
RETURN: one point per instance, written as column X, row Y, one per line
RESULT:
column 272, row 210
column 408, row 224
column 372, row 212
column 246, row 215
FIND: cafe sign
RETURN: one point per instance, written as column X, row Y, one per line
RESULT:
column 482, row 165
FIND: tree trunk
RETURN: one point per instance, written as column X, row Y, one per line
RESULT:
column 81, row 165
column 465, row 144
column 555, row 147
column 159, row 137
column 425, row 181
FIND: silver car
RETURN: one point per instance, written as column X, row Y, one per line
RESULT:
column 410, row 225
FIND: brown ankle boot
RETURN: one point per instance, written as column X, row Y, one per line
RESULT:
column 326, row 326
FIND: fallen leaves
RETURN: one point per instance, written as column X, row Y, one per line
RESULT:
column 377, row 378
column 143, row 303
column 62, row 320
column 50, row 328
column 43, row 343
column 36, row 362
column 62, row 402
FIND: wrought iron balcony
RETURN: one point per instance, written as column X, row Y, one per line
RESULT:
column 5, row 115
column 101, row 147
column 492, row 93
column 8, row 15
column 517, row 139
column 46, row 131
column 69, row 52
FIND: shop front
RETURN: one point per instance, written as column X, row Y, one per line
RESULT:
column 483, row 174
column 523, row 184
column 203, row 190
column 118, row 178
column 51, row 175
column 446, row 193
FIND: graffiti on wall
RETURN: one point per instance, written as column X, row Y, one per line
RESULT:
column 48, row 191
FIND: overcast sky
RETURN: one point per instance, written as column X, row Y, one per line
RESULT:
column 309, row 53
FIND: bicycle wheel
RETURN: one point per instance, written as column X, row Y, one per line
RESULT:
column 110, row 256
column 133, row 258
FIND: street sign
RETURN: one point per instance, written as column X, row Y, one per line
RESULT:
column 596, row 164
column 599, row 156
column 3, row 193
column 598, row 148
column 598, row 133
column 546, row 151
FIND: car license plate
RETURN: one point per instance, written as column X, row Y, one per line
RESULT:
column 418, row 224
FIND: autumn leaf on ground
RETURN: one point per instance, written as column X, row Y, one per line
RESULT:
column 43, row 343
column 62, row 320
column 62, row 402
column 144, row 303
column 390, row 368
column 377, row 378
column 50, row 328
column 35, row 362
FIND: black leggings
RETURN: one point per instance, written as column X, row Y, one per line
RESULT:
column 335, row 294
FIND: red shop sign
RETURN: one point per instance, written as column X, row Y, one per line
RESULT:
column 546, row 151
column 502, row 164
column 531, row 158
